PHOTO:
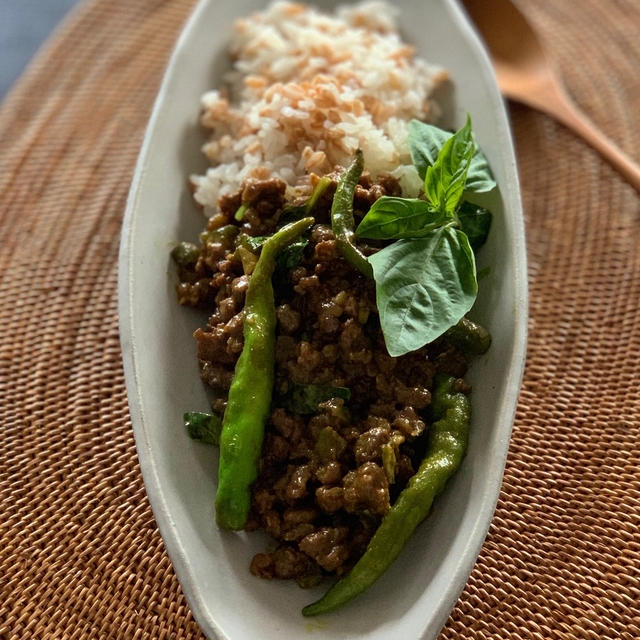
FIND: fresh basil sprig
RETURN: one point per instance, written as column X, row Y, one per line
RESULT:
column 426, row 281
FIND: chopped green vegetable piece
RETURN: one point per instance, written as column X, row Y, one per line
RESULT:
column 224, row 235
column 304, row 399
column 239, row 214
column 389, row 462
column 291, row 214
column 248, row 259
column 253, row 243
column 469, row 337
column 204, row 427
column 185, row 254
column 292, row 255
column 329, row 445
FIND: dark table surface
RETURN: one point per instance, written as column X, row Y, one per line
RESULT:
column 24, row 25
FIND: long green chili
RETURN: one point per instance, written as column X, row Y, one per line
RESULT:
column 252, row 385
column 447, row 446
column 342, row 222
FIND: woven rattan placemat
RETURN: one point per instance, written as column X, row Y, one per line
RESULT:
column 80, row 555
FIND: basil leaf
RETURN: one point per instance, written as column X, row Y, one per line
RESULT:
column 289, row 258
column 423, row 287
column 253, row 242
column 425, row 142
column 475, row 221
column 393, row 218
column 304, row 399
column 292, row 214
column 446, row 177
column 292, row 255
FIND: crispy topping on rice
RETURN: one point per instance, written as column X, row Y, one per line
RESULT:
column 306, row 90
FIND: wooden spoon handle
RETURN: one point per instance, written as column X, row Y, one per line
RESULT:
column 566, row 112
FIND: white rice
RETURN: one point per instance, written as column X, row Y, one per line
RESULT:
column 306, row 90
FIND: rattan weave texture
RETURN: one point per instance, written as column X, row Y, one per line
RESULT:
column 80, row 555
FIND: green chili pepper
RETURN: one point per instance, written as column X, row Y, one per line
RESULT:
column 447, row 446
column 250, row 393
column 342, row 221
column 469, row 337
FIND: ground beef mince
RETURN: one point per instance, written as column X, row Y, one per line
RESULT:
column 327, row 476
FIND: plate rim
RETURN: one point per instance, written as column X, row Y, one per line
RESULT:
column 511, row 195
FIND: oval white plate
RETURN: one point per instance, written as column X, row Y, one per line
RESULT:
column 414, row 598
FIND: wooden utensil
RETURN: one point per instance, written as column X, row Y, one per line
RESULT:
column 527, row 73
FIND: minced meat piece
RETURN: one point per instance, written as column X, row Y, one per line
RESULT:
column 285, row 563
column 327, row 546
column 288, row 318
column 330, row 499
column 329, row 473
column 409, row 423
column 367, row 489
column 369, row 444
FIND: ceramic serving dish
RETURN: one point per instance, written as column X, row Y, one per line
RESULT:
column 413, row 599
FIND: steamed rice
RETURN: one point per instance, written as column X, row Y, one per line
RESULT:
column 306, row 90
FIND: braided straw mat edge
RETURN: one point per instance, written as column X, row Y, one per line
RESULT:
column 80, row 555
